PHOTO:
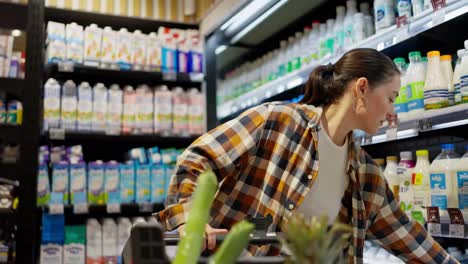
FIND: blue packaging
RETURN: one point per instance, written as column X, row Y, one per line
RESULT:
column 195, row 62
column 169, row 56
column 167, row 156
column 60, row 182
column 112, row 183
column 127, row 182
column 143, row 183
column 158, row 183
column 78, row 183
column 43, row 185
column 154, row 156
column 53, row 228
column 96, row 182
column 170, row 171
column 138, row 155
column 182, row 60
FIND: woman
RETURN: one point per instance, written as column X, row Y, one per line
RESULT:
column 280, row 159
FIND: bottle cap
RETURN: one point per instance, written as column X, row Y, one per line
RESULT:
column 414, row 54
column 434, row 53
column 446, row 57
column 399, row 60
column 392, row 158
column 422, row 152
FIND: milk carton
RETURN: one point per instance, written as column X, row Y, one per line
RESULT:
column 462, row 181
column 129, row 106
column 85, row 107
column 180, row 112
column 112, row 183
column 109, row 48
column 464, row 75
column 43, row 185
column 92, row 45
column 114, row 110
column 93, row 242
column 51, row 104
column 144, row 110
column 124, row 49
column 158, row 183
column 74, row 40
column 169, row 50
column 96, row 182
column 124, row 226
column 153, row 53
column 109, row 241
column 69, row 105
column 143, row 183
column 163, row 113
column 139, row 50
column 61, row 179
column 196, row 112
column 443, row 179
column 183, row 49
column 127, row 183
column 56, row 47
column 74, row 251
column 99, row 107
column 78, row 186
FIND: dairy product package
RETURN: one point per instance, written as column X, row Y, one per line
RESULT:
column 96, row 182
column 404, row 171
column 78, row 183
column 139, row 50
column 114, row 110
column 112, row 183
column 144, row 110
column 43, row 185
column 51, row 253
column 93, row 242
column 196, row 113
column 420, row 180
column 183, row 49
column 85, row 107
column 195, row 56
column 74, row 40
column 124, row 49
column 462, row 181
column 169, row 50
column 124, row 226
column 436, row 93
column 129, row 106
column 158, row 183
column 109, row 241
column 60, row 180
column 69, row 106
column 74, row 251
column 163, row 113
column 180, row 99
column 416, row 76
column 154, row 155
column 92, row 44
column 143, row 183
column 153, row 52
column 391, row 175
column 109, row 48
column 99, row 107
column 51, row 104
column 14, row 113
column 127, row 182
column 56, row 47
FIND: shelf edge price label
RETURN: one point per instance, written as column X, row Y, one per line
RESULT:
column 433, row 221
column 113, row 208
column 65, row 66
column 145, row 208
column 457, row 224
column 425, row 124
column 81, row 208
column 169, row 76
column 57, row 133
column 438, row 16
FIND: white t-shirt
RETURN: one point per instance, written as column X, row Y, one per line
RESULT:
column 328, row 189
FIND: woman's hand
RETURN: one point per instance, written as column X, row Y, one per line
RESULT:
column 210, row 235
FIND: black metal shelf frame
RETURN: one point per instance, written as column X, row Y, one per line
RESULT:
column 14, row 16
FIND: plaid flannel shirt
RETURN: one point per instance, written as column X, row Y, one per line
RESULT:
column 266, row 161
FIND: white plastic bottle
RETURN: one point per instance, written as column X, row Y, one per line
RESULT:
column 368, row 20
column 85, row 106
column 330, row 37
column 51, row 104
column 462, row 181
column 443, row 179
column 351, row 9
column 99, row 107
column 391, row 175
column 289, row 57
column 93, row 241
column 322, row 40
column 416, row 77
column 447, row 71
column 359, row 33
column 420, row 180
column 313, row 37
column 464, row 75
column 401, row 102
column 436, row 85
column 68, row 106
column 296, row 52
column 404, row 170
column 282, row 59
column 109, row 240
column 404, row 8
column 456, row 76
column 384, row 14
column 338, row 29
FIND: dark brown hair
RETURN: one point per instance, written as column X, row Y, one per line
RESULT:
column 327, row 83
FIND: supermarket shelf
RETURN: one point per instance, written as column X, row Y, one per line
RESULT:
column 14, row 16
column 12, row 86
column 79, row 72
column 413, row 124
column 100, row 211
column 116, row 22
column 384, row 41
column 10, row 133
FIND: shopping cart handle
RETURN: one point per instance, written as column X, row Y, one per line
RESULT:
column 173, row 239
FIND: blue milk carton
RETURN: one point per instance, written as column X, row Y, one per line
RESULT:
column 43, row 185
column 158, row 183
column 170, row 171
column 127, row 182
column 60, row 182
column 96, row 182
column 143, row 183
column 78, row 183
column 112, row 183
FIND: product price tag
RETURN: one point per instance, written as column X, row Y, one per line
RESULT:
column 145, row 208
column 392, row 127
column 81, row 208
column 169, row 76
column 438, row 4
column 196, row 77
column 65, row 66
column 57, row 133
column 402, row 21
column 56, row 203
column 433, row 221
column 457, row 224
column 113, row 208
column 402, row 32
column 425, row 124
column 438, row 16
column 391, row 133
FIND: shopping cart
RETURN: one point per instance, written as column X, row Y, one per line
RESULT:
column 148, row 244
